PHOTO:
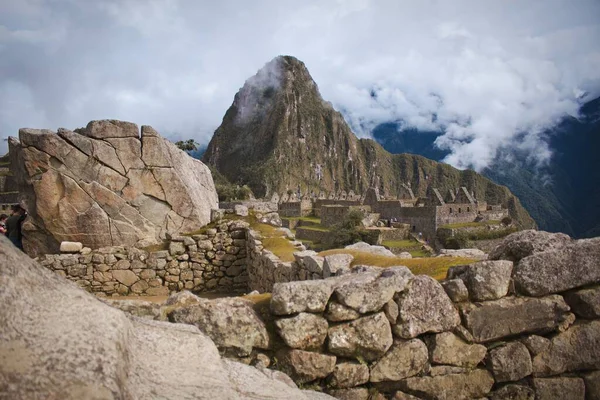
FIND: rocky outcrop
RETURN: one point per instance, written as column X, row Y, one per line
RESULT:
column 105, row 185
column 63, row 343
column 519, row 245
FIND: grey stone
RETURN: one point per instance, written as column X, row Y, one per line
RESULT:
column 303, row 331
column 90, row 350
column 424, row 307
column 306, row 366
column 368, row 292
column 176, row 248
column 126, row 277
column 366, row 338
column 554, row 271
column 513, row 392
column 536, row 344
column 336, row 263
column 229, row 322
column 559, row 388
column 474, row 384
column 367, row 248
column 447, row 348
column 510, row 362
column 576, row 349
column 404, row 396
column 485, row 280
column 337, row 312
column 585, row 302
column 70, row 247
column 349, row 374
column 391, row 311
column 240, row 210
column 510, row 316
column 592, row 385
column 403, row 360
column 351, row 394
column 519, row 245
column 475, row 254
column 456, row 290
column 294, row 297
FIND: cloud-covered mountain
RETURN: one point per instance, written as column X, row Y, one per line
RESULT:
column 563, row 195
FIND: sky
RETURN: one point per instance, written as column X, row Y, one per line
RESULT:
column 493, row 76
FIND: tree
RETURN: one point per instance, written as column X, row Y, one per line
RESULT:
column 187, row 145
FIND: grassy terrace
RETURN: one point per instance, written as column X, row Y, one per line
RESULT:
column 435, row 267
column 471, row 224
column 412, row 246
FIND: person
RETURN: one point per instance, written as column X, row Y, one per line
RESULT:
column 14, row 224
column 3, row 218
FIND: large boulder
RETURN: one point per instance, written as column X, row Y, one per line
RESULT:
column 519, row 245
column 299, row 296
column 553, row 271
column 404, row 359
column 424, row 307
column 61, row 342
column 368, row 292
column 229, row 322
column 366, row 338
column 305, row 366
column 448, row 349
column 510, row 316
column 576, row 349
column 471, row 385
column 303, row 331
column 485, row 280
column 100, row 186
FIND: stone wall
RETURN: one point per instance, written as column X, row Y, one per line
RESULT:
column 507, row 328
column 214, row 261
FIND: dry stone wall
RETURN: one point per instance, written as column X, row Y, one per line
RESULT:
column 214, row 261
column 523, row 325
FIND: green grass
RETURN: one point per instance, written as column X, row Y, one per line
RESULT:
column 319, row 228
column 436, row 267
column 470, row 224
column 402, row 244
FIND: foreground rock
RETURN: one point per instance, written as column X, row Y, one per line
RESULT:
column 576, row 349
column 405, row 359
column 519, row 245
column 294, row 297
column 585, row 302
column 424, row 307
column 510, row 362
column 485, row 280
column 229, row 322
column 104, row 185
column 77, row 347
column 304, row 331
column 306, row 366
column 367, row 338
column 471, row 385
column 447, row 348
column 559, row 388
column 510, row 316
column 564, row 268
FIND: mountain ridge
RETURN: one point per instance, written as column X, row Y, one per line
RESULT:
column 280, row 135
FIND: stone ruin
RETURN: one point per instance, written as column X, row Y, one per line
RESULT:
column 105, row 185
column 524, row 324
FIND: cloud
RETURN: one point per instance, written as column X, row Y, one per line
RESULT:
column 492, row 76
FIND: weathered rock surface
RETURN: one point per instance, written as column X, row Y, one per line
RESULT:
column 336, row 264
column 567, row 267
column 513, row 392
column 404, row 396
column 306, row 366
column 403, row 360
column 63, row 343
column 519, row 245
column 497, row 319
column 367, row 338
column 576, row 349
column 424, row 307
column 371, row 249
column 471, row 385
column 585, row 302
column 349, row 374
column 456, row 290
column 592, row 385
column 337, row 312
column 106, row 186
column 139, row 308
column 485, row 280
column 559, row 388
column 70, row 247
column 536, row 344
column 466, row 253
column 304, row 331
column 294, row 297
column 229, row 322
column 447, row 348
column 351, row 394
column 368, row 292
column 510, row 362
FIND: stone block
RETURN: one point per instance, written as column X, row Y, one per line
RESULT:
column 510, row 362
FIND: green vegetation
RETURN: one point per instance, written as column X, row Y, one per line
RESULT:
column 410, row 245
column 461, row 239
column 349, row 231
column 228, row 191
column 187, row 145
column 435, row 267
